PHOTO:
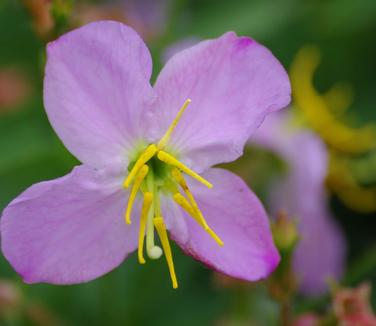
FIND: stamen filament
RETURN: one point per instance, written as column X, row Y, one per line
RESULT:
column 148, row 199
column 162, row 232
column 148, row 153
column 164, row 140
column 139, row 178
column 183, row 202
column 169, row 159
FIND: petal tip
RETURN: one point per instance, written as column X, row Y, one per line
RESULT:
column 230, row 35
column 273, row 260
column 244, row 42
column 28, row 278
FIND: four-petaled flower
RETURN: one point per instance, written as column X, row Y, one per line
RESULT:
column 135, row 145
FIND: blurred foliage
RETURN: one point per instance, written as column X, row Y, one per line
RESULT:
column 141, row 295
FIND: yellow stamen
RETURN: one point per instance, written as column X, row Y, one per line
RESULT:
column 197, row 214
column 148, row 153
column 216, row 238
column 181, row 181
column 162, row 232
column 164, row 140
column 139, row 178
column 148, row 199
column 180, row 200
column 169, row 159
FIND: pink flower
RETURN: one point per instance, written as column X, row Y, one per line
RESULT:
column 352, row 306
column 14, row 88
column 148, row 17
column 129, row 134
column 320, row 253
column 307, row 319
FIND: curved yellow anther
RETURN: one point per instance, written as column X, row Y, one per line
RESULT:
column 148, row 153
column 216, row 238
column 181, row 201
column 148, row 199
column 181, row 181
column 169, row 159
column 162, row 233
column 132, row 196
column 166, row 137
column 194, row 210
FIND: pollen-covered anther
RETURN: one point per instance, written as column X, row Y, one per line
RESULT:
column 162, row 233
column 148, row 200
column 136, row 186
column 171, row 160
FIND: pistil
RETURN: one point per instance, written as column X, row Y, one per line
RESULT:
column 153, row 251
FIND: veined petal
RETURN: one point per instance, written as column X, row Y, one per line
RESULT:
column 233, row 83
column 96, row 91
column 68, row 230
column 238, row 218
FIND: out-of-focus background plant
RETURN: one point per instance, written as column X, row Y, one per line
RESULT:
column 314, row 166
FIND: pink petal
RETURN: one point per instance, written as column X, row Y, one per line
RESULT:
column 68, row 230
column 233, row 83
column 321, row 251
column 278, row 135
column 239, row 219
column 95, row 90
column 320, row 254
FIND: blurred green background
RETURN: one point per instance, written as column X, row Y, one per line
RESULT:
column 30, row 151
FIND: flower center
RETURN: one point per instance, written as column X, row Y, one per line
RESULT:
column 153, row 172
